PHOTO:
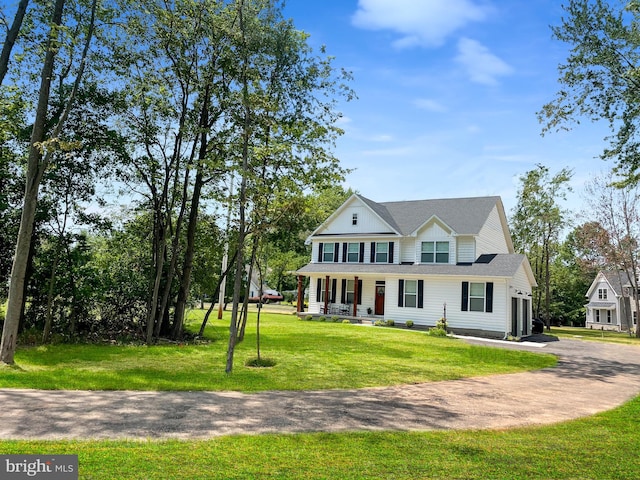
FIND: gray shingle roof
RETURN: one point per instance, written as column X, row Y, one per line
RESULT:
column 503, row 265
column 465, row 215
column 617, row 279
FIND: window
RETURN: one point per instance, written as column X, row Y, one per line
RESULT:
column 350, row 291
column 597, row 316
column 435, row 252
column 382, row 252
column 477, row 297
column 635, row 318
column 322, row 290
column 354, row 219
column 328, row 252
column 411, row 293
column 602, row 293
column 608, row 316
column 353, row 252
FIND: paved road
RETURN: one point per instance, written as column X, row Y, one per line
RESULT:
column 589, row 378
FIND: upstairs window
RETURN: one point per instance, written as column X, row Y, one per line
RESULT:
column 435, row 252
column 602, row 293
column 328, row 252
column 353, row 252
column 354, row 219
column 381, row 252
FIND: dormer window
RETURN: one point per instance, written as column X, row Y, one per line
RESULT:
column 354, row 219
column 602, row 294
column 435, row 252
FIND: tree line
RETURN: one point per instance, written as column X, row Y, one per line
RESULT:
column 161, row 108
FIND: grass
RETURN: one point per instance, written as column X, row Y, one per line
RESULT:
column 595, row 335
column 604, row 446
column 307, row 356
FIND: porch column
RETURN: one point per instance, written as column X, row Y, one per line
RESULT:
column 355, row 296
column 300, row 307
column 326, row 295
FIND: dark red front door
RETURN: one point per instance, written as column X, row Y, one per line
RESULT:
column 379, row 300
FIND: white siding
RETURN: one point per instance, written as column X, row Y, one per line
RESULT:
column 441, row 290
column 492, row 237
column 466, row 247
column 408, row 250
column 368, row 222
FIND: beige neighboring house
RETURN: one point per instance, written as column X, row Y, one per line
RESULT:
column 419, row 261
column 610, row 304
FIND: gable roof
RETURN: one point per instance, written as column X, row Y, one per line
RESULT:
column 616, row 279
column 466, row 216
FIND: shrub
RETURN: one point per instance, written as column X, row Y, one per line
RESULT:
column 408, row 323
column 322, row 319
column 380, row 323
column 442, row 324
column 308, row 318
column 437, row 332
column 335, row 319
column 289, row 297
column 390, row 323
column 345, row 321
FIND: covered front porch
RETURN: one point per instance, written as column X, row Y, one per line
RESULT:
column 343, row 295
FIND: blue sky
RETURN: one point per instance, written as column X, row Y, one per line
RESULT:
column 448, row 92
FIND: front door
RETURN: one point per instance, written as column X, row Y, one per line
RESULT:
column 379, row 300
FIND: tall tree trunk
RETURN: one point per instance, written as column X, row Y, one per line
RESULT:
column 221, row 280
column 10, row 40
column 35, row 170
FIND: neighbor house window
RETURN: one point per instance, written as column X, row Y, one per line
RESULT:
column 354, row 219
column 635, row 318
column 597, row 316
column 411, row 293
column 608, row 316
column 435, row 252
column 602, row 293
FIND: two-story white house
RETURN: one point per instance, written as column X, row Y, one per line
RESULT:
column 610, row 303
column 421, row 261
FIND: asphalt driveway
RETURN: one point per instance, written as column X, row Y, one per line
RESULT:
column 590, row 377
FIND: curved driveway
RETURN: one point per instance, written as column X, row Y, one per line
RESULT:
column 590, row 377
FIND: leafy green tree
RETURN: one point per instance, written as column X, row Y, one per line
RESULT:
column 536, row 224
column 599, row 79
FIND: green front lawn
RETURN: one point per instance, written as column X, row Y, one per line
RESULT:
column 581, row 333
column 604, row 446
column 308, row 355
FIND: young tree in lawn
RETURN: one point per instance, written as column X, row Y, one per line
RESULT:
column 617, row 211
column 536, row 223
column 287, row 120
column 599, row 79
column 42, row 145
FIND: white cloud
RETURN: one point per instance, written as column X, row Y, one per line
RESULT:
column 481, row 65
column 424, row 23
column 430, row 105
